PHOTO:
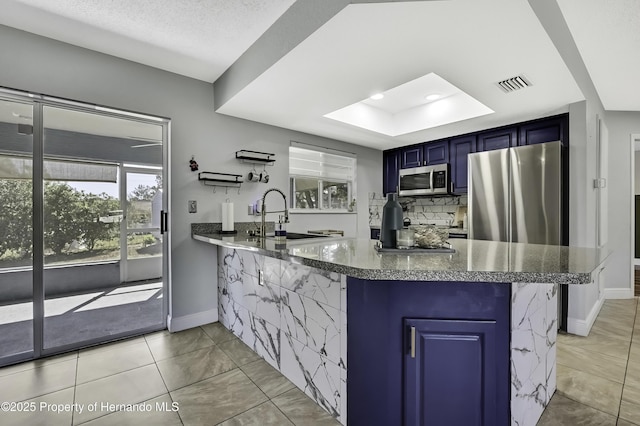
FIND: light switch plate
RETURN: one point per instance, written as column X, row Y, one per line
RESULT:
column 193, row 206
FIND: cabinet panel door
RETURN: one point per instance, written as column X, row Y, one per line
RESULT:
column 451, row 379
column 436, row 153
column 391, row 163
column 459, row 149
column 497, row 139
column 542, row 131
column 411, row 157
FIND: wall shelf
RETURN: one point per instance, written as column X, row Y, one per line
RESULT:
column 220, row 179
column 255, row 157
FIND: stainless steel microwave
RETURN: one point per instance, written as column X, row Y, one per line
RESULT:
column 427, row 180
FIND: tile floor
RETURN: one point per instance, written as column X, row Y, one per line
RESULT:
column 214, row 379
column 206, row 373
column 599, row 375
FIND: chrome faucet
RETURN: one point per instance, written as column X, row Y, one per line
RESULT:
column 264, row 211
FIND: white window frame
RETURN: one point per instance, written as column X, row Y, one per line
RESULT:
column 321, row 176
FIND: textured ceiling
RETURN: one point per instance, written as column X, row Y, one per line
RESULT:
column 607, row 33
column 196, row 38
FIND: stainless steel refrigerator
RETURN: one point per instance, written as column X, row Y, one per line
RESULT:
column 516, row 195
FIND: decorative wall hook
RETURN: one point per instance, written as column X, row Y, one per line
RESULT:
column 193, row 165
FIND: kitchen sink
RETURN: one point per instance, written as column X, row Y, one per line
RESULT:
column 296, row 236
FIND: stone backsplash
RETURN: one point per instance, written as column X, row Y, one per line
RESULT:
column 421, row 211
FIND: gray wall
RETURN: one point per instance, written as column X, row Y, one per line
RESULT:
column 41, row 65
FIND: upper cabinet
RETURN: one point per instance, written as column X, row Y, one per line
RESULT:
column 391, row 164
column 459, row 149
column 497, row 139
column 545, row 130
column 411, row 157
column 436, row 152
column 455, row 150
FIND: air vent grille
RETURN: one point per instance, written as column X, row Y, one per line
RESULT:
column 514, row 83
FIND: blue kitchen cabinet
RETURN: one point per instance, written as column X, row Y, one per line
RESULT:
column 460, row 373
column 497, row 139
column 391, row 162
column 459, row 149
column 450, row 376
column 411, row 157
column 545, row 130
column 436, row 153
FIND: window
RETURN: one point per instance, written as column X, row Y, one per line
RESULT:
column 321, row 180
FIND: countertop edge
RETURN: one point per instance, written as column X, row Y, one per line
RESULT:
column 411, row 275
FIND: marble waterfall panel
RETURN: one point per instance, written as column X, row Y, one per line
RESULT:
column 533, row 338
column 291, row 315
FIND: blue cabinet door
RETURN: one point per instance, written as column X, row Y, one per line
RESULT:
column 459, row 149
column 391, row 162
column 436, row 152
column 450, row 376
column 547, row 130
column 497, row 139
column 411, row 157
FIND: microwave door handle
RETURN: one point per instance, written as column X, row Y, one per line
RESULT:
column 431, row 182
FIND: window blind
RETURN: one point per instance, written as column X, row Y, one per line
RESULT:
column 310, row 163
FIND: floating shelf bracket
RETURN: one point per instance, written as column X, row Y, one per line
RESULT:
column 226, row 180
column 256, row 157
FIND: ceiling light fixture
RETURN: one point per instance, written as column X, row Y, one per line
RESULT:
column 377, row 96
column 432, row 97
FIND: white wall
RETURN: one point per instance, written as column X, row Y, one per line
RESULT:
column 37, row 64
column 621, row 126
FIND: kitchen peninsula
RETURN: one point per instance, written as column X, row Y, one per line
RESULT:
column 459, row 339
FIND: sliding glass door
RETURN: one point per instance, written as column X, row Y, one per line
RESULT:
column 81, row 249
column 16, row 228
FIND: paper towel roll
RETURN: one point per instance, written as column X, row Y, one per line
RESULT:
column 227, row 216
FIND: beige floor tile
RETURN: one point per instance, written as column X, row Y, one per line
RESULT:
column 564, row 411
column 594, row 391
column 156, row 334
column 130, row 387
column 217, row 399
column 38, row 381
column 194, row 366
column 45, row 411
column 265, row 414
column 240, row 353
column 622, row 422
column 614, row 329
column 29, row 365
column 631, row 392
column 182, row 342
column 268, row 379
column 602, row 365
column 160, row 414
column 597, row 343
column 218, row 332
column 301, row 410
column 112, row 360
column 111, row 346
column 630, row 411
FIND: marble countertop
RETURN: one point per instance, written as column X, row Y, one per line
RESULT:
column 473, row 261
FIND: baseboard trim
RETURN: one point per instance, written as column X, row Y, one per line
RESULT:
column 583, row 327
column 618, row 293
column 193, row 320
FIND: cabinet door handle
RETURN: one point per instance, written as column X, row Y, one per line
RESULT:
column 413, row 342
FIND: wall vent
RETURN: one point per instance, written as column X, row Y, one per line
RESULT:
column 514, row 83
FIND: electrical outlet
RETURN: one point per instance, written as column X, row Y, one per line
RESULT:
column 193, row 206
